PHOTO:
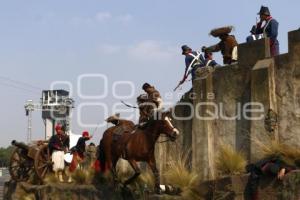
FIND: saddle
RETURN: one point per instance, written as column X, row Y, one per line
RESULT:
column 118, row 132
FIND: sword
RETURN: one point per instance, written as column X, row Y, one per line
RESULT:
column 130, row 106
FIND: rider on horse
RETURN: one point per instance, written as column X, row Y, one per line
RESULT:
column 148, row 103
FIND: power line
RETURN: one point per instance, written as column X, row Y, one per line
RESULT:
column 21, row 83
column 20, row 88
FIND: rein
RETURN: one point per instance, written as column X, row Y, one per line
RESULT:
column 167, row 140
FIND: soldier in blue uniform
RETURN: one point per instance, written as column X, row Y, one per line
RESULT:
column 268, row 26
column 209, row 61
column 193, row 60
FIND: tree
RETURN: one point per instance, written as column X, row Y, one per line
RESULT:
column 5, row 154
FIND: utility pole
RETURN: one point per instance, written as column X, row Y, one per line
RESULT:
column 29, row 108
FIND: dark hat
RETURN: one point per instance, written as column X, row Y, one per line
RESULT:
column 185, row 48
column 146, row 85
column 264, row 11
column 253, row 29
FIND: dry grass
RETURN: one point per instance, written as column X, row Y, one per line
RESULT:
column 21, row 194
column 83, row 176
column 179, row 175
column 229, row 161
column 28, row 197
column 271, row 147
column 125, row 171
column 50, row 178
column 146, row 178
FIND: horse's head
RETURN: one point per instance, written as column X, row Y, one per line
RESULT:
column 166, row 126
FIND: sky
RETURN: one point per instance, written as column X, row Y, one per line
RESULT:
column 128, row 42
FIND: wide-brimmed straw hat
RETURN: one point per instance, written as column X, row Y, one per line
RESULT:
column 217, row 32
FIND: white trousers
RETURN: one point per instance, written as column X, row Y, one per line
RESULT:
column 58, row 160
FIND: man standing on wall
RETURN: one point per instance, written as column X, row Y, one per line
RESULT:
column 193, row 60
column 227, row 45
column 268, row 26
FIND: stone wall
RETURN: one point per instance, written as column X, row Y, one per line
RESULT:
column 288, row 91
column 58, row 191
column 272, row 81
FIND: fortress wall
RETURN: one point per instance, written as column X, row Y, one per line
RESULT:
column 288, row 91
column 272, row 81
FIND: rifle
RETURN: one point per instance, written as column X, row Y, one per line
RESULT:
column 179, row 84
column 195, row 58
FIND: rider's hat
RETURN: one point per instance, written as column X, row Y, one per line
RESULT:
column 146, row 85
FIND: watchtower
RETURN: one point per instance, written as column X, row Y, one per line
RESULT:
column 56, row 108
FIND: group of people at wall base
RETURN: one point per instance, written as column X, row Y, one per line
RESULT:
column 59, row 145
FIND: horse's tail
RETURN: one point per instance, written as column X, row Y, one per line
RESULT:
column 100, row 164
column 102, row 158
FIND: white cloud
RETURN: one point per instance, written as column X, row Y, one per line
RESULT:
column 146, row 51
column 103, row 16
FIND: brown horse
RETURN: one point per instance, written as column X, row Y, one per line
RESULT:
column 121, row 125
column 138, row 145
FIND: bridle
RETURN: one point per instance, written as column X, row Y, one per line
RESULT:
column 169, row 138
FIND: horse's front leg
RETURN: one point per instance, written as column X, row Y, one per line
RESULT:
column 152, row 164
column 114, row 170
column 136, row 169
